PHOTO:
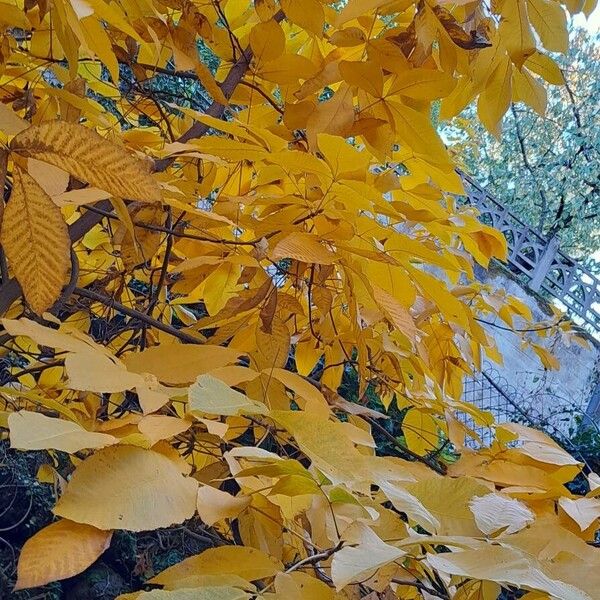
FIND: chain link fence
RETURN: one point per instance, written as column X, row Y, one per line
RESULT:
column 539, row 406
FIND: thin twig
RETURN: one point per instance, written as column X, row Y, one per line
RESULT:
column 136, row 314
column 315, row 558
column 165, row 264
column 516, row 329
column 436, row 466
column 422, row 587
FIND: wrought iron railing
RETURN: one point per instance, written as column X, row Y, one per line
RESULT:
column 545, row 267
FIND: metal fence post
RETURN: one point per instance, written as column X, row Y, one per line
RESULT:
column 544, row 264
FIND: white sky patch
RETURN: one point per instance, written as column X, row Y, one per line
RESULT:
column 592, row 24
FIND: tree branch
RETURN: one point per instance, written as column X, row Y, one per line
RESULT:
column 315, row 558
column 529, row 167
column 136, row 314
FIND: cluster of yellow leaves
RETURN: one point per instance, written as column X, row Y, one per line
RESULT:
column 303, row 226
column 504, row 511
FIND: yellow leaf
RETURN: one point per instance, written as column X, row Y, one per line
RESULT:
column 161, row 427
column 99, row 42
column 395, row 312
column 234, row 374
column 209, row 395
column 448, row 500
column 111, row 13
column 215, row 505
column 530, row 91
column 421, row 431
column 546, row 357
column 10, row 122
column 80, row 197
column 220, row 286
column 305, row 247
column 13, row 16
column 248, row 563
column 584, row 511
column 497, row 512
column 58, row 551
column 356, row 8
column 404, row 501
column 302, row 388
column 265, row 9
column 348, row 37
column 126, row 487
column 543, row 65
column 272, row 349
column 209, row 592
column 550, row 22
column 288, row 68
column 484, row 243
column 506, row 566
column 325, row 443
column 495, row 98
column 267, row 41
column 307, row 14
column 180, row 363
column 362, row 554
column 301, row 586
column 228, row 149
column 36, row 241
column 51, row 179
column 45, row 336
column 34, row 431
column 152, row 398
column 537, row 445
column 208, row 82
column 334, row 116
column 99, row 373
column 422, row 84
column 415, row 132
column 89, row 157
column 365, row 75
column 485, row 590
column 515, row 31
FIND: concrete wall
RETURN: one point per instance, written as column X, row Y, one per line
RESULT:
column 556, row 397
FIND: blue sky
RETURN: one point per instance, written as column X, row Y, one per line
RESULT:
column 592, row 24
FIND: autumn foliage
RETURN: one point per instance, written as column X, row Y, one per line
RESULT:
column 185, row 288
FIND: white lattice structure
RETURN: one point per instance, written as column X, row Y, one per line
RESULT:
column 540, row 259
